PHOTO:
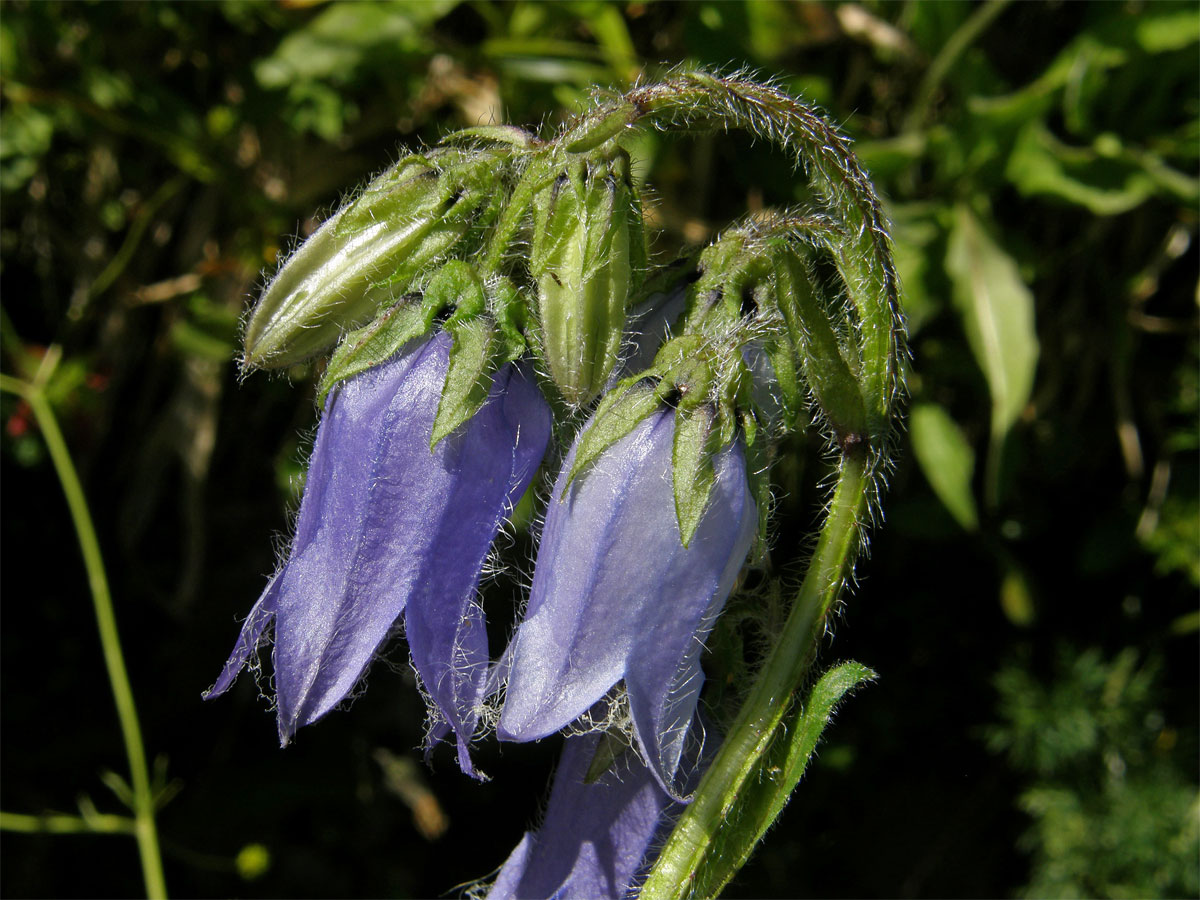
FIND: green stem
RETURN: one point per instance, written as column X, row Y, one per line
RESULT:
column 132, row 239
column 970, row 30
column 56, row 823
column 695, row 100
column 89, row 545
column 781, row 675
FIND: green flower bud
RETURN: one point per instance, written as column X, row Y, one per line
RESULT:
column 372, row 249
column 588, row 254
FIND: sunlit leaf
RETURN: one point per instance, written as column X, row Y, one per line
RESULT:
column 947, row 460
column 1107, row 183
column 997, row 313
column 780, row 771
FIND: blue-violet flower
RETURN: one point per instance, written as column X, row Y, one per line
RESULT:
column 388, row 527
column 616, row 595
column 594, row 838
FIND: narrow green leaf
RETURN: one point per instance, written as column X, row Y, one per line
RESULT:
column 468, row 378
column 779, row 771
column 784, row 366
column 997, row 313
column 119, row 786
column 946, row 459
column 692, row 467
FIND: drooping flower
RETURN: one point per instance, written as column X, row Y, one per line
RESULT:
column 617, row 596
column 594, row 838
column 389, row 527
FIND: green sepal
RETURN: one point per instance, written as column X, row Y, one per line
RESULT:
column 780, row 768
column 594, row 131
column 692, row 466
column 681, row 376
column 468, row 376
column 685, row 366
column 510, row 314
column 495, row 134
column 457, row 285
column 782, row 354
column 409, row 318
column 730, row 266
column 822, row 360
column 617, row 414
column 609, row 749
column 758, row 474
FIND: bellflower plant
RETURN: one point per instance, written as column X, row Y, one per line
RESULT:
column 485, row 297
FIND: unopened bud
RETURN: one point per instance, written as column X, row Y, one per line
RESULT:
column 588, row 252
column 372, row 250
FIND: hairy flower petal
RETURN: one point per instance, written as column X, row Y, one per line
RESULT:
column 616, row 595
column 387, row 524
column 594, row 838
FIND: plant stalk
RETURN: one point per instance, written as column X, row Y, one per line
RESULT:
column 143, row 796
column 783, row 673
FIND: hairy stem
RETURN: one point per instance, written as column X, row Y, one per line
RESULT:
column 784, row 672
column 862, row 251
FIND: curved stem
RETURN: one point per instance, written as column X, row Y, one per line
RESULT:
column 110, row 641
column 862, row 252
column 781, row 675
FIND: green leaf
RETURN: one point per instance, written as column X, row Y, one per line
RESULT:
column 1173, row 30
column 779, row 771
column 692, row 467
column 946, row 459
column 997, row 313
column 343, row 37
column 468, row 377
column 1105, row 184
column 377, row 342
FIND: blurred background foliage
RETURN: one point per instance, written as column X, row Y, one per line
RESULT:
column 1031, row 603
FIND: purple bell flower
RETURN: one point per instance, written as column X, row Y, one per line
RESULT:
column 617, row 596
column 594, row 838
column 389, row 528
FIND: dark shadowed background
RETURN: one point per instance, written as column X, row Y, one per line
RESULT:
column 1030, row 603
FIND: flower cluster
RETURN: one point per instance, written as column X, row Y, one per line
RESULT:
column 485, row 298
